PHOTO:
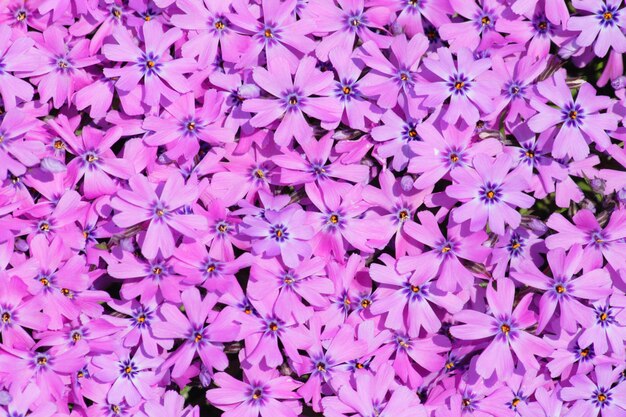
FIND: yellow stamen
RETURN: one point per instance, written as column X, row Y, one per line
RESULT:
column 334, row 219
column 346, row 90
column 219, row 25
column 273, row 327
column 365, row 303
column 198, row 337
column 560, row 289
column 459, row 84
column 268, row 33
column 6, row 317
column 415, row 288
column 505, row 328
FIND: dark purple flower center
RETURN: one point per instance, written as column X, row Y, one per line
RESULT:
column 128, row 369
column 458, row 84
column 142, row 317
column 516, row 245
column 601, row 397
column 586, row 354
column 608, row 16
column 149, row 63
column 355, row 21
column 514, row 89
column 541, row 25
column 490, row 193
column 415, row 292
column 604, row 316
column 572, row 115
column 279, row 233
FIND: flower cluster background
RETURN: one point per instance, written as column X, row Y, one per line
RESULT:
column 342, row 208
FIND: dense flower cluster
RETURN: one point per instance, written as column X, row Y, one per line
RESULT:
column 348, row 208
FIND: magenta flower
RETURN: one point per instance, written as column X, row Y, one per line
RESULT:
column 603, row 396
column 580, row 119
column 94, row 162
column 445, row 253
column 565, row 290
column 182, row 126
column 479, row 28
column 61, row 71
column 602, row 28
column 281, row 233
column 356, row 108
column 598, row 242
column 261, row 393
column 277, row 32
column 200, row 338
column 18, row 58
column 308, row 93
column 507, row 328
column 489, row 193
column 162, row 75
column 17, row 150
column 288, row 288
column 469, row 96
column 407, row 299
column 441, row 150
column 130, row 376
column 393, row 80
column 163, row 211
column 347, row 22
column 214, row 33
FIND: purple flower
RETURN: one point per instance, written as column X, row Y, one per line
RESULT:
column 163, row 212
column 261, row 393
column 489, row 193
column 308, row 93
column 469, row 96
column 162, row 75
column 507, row 327
column 581, row 122
column 283, row 233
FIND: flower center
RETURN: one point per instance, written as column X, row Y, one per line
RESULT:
column 257, row 394
column 128, row 369
column 191, row 126
column 197, row 338
column 66, row 292
column 268, row 33
column 45, row 282
column 259, row 174
column 365, row 303
column 117, row 13
column 584, row 352
column 21, row 15
column 454, row 157
column 601, row 397
column 505, row 328
column 6, row 317
column 44, row 227
column 115, row 408
column 42, row 360
column 516, row 244
column 607, row 15
column 321, row 367
column 573, row 114
column 415, row 288
column 334, row 219
column 485, row 21
column 604, row 316
column 273, row 326
column 141, row 319
column 515, row 402
column 412, row 133
column 346, row 90
column 447, row 248
column 150, row 64
column 58, row 144
column 560, row 289
column 157, row 270
column 76, row 336
column 219, row 25
column 403, row 215
column 459, row 85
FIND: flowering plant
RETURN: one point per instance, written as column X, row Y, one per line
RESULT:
column 281, row 208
